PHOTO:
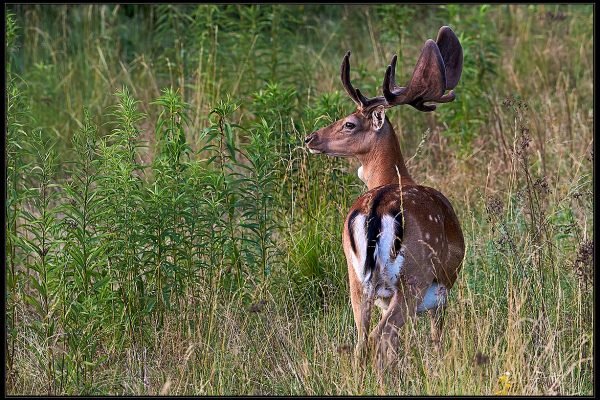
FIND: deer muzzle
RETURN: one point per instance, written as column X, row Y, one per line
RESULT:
column 308, row 140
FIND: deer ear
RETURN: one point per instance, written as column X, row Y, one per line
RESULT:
column 378, row 117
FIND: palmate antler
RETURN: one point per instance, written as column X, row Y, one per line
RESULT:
column 438, row 69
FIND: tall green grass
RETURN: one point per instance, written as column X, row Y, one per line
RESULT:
column 168, row 233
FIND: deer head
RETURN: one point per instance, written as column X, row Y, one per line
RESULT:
column 366, row 133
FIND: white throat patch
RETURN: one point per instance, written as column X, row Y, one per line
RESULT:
column 361, row 175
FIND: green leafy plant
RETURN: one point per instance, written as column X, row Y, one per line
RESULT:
column 40, row 242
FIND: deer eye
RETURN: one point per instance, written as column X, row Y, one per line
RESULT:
column 349, row 125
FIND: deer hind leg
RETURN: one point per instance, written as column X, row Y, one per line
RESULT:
column 434, row 302
column 436, row 316
column 385, row 335
column 366, row 307
column 361, row 308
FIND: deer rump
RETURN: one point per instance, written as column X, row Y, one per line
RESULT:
column 376, row 231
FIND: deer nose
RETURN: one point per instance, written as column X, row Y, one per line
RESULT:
column 309, row 138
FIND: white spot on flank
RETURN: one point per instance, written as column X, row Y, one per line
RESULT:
column 430, row 217
column 427, row 236
column 313, row 151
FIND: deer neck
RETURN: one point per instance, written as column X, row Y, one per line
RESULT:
column 384, row 163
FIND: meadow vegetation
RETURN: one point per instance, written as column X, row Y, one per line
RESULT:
column 167, row 232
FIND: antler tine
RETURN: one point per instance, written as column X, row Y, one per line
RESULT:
column 392, row 75
column 345, row 76
column 438, row 69
column 390, row 89
column 363, row 103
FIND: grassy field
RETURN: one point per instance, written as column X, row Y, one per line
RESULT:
column 167, row 232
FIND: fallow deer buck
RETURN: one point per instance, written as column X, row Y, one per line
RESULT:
column 403, row 242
